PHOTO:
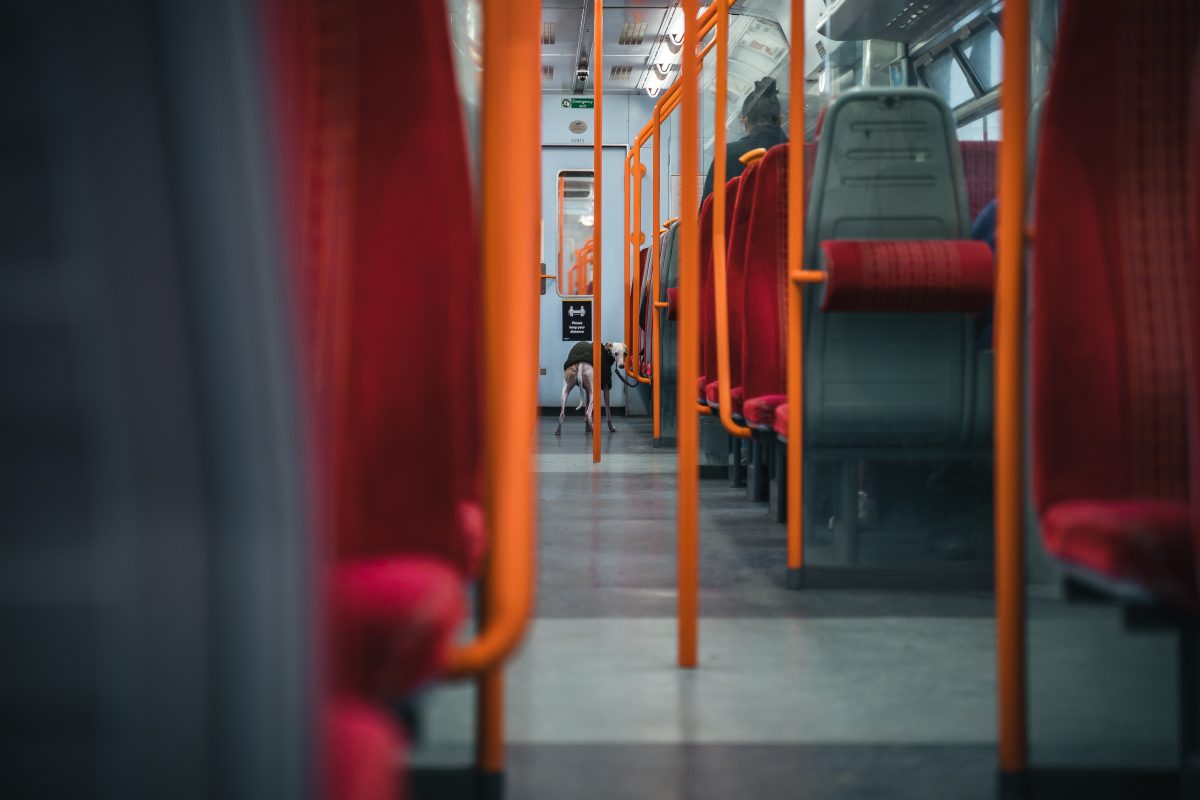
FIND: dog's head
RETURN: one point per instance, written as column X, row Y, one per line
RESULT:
column 618, row 351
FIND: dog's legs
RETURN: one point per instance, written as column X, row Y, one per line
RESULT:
column 568, row 382
column 608, row 412
column 586, row 384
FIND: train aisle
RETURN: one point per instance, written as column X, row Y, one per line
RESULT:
column 798, row 694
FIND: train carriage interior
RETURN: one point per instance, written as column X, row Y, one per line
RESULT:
column 600, row 400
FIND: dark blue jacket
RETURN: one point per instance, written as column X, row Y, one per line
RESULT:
column 760, row 136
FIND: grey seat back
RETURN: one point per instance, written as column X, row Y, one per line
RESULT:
column 888, row 167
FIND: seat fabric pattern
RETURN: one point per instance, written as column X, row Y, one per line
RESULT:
column 1110, row 289
column 979, row 173
column 735, row 268
column 708, row 316
column 407, row 430
column 916, row 276
column 1194, row 320
column 764, row 317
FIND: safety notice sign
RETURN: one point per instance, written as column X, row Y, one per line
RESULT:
column 577, row 320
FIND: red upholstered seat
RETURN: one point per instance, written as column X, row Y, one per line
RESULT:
column 1194, row 320
column 381, row 191
column 712, row 395
column 916, row 276
column 708, row 319
column 365, row 749
column 735, row 280
column 760, row 411
column 764, row 302
column 979, row 171
column 1139, row 543
column 780, row 422
column 705, row 263
column 673, row 303
column 1110, row 296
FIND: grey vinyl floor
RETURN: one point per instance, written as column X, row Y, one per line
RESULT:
column 810, row 694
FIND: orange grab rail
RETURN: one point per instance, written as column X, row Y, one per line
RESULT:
column 795, row 305
column 598, row 183
column 720, row 284
column 510, row 205
column 1010, row 564
column 688, row 357
column 628, row 286
column 654, row 129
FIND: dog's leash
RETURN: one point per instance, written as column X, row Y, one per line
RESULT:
column 619, row 374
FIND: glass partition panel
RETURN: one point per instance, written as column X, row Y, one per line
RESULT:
column 576, row 218
column 946, row 77
column 983, row 52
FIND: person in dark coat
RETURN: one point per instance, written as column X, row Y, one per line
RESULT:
column 762, row 117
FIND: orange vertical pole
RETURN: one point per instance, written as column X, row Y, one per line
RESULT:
column 627, row 286
column 511, row 166
column 795, row 251
column 597, row 266
column 689, row 334
column 1010, row 555
column 638, row 172
column 655, row 287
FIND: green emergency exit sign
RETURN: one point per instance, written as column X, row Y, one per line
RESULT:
column 579, row 102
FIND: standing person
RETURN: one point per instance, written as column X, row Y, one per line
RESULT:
column 762, row 118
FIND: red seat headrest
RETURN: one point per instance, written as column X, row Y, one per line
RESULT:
column 916, row 276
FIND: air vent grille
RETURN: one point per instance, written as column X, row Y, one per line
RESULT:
column 622, row 72
column 548, row 33
column 632, row 34
column 910, row 14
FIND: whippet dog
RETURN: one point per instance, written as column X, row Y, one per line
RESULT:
column 583, row 376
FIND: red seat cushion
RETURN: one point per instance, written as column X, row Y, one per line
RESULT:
column 712, row 393
column 365, row 753
column 760, row 411
column 781, row 421
column 673, row 303
column 918, row 276
column 701, row 384
column 1135, row 543
column 394, row 620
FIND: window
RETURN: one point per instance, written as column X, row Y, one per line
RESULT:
column 576, row 207
column 983, row 51
column 984, row 129
column 946, row 77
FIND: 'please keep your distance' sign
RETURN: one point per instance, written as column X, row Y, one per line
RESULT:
column 577, row 320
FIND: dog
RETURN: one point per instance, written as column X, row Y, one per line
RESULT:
column 583, row 375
